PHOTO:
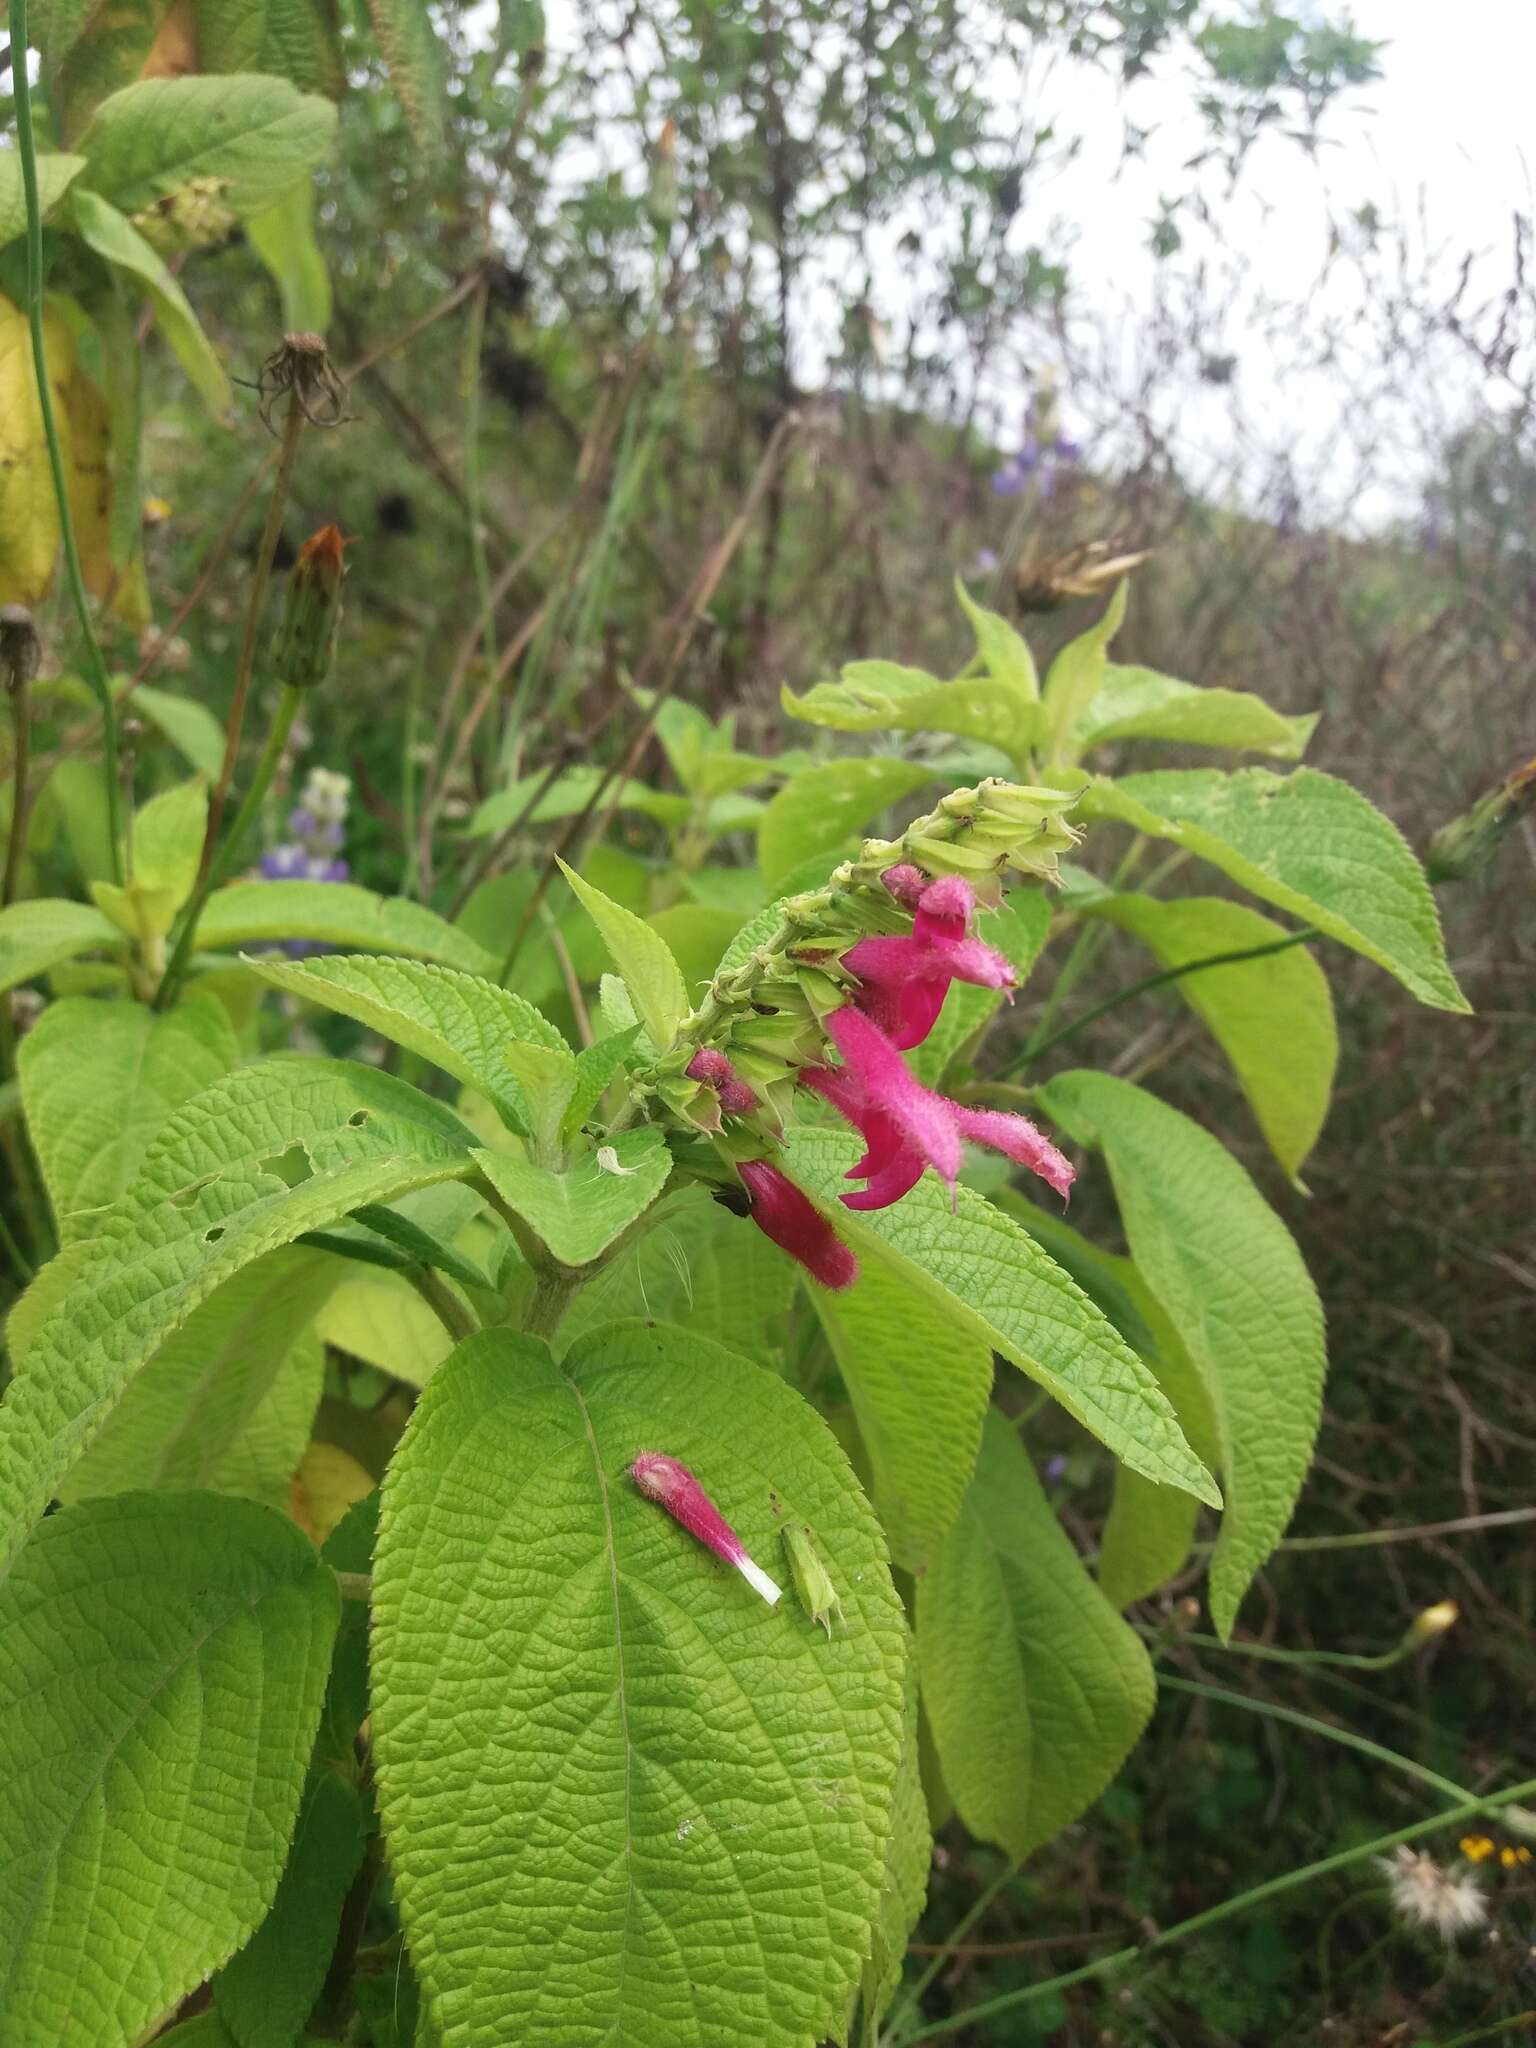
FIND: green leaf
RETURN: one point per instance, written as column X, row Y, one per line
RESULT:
column 266, row 1992
column 255, row 134
column 1033, row 1685
column 409, row 46
column 1140, row 704
column 296, row 39
column 663, row 1814
column 283, row 236
column 908, row 1854
column 145, row 1814
column 167, row 844
column 191, row 1406
column 119, row 242
column 882, row 696
column 261, row 1463
column 919, row 1383
column 98, row 1081
column 596, row 1066
column 1272, row 1017
column 1004, row 651
column 459, row 1022
column 1307, row 843
column 991, row 1279
column 55, row 172
column 1229, row 1275
column 188, row 725
column 579, row 1213
column 1077, row 675
column 37, row 935
column 569, row 795
column 249, row 1164
column 381, row 1319
column 649, row 972
column 1019, row 931
column 1149, row 1528
column 700, row 1267
column 695, row 935
column 821, row 807
column 335, row 914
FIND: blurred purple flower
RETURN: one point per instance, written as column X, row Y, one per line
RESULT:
column 985, row 563
column 312, row 853
column 1054, row 1470
column 1045, row 459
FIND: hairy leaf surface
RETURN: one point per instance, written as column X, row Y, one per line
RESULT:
column 1140, row 704
column 335, row 914
column 643, row 958
column 145, row 1812
column 882, row 696
column 626, row 1799
column 580, row 1212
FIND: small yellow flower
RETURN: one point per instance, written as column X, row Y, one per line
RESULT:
column 1476, row 1848
column 1510, row 1855
column 156, row 511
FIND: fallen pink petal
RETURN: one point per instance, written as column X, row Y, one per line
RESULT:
column 672, row 1486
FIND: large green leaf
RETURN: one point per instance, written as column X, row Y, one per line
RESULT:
column 1229, row 1275
column 296, row 39
column 266, row 1992
column 55, row 173
column 184, row 1420
column 262, row 1461
column 1307, row 843
column 255, row 134
column 991, row 1279
column 105, row 230
column 283, row 236
column 459, row 1022
column 578, row 1213
column 1272, row 1017
column 165, row 1665
column 642, row 957
column 249, row 1164
column 882, row 696
column 820, row 807
column 908, row 1854
column 378, row 1317
column 1140, row 704
column 626, row 1800
column 919, row 1383
column 335, row 914
column 98, row 1080
column 37, row 935
column 1077, row 675
column 1003, row 650
column 1034, row 1687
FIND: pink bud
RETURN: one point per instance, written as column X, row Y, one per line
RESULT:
column 906, row 883
column 672, row 1486
column 736, row 1098
column 710, row 1067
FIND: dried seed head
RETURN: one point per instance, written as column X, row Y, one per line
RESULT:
column 302, row 365
column 20, row 648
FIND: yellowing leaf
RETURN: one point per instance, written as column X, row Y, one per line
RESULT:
column 329, row 1481
column 29, row 512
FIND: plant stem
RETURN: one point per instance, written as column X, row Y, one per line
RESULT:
column 21, row 761
column 1272, row 1711
column 554, row 1289
column 95, row 665
column 1324, row 1867
column 914, row 1998
column 1161, row 980
column 455, row 1318
column 293, row 427
column 474, row 341
column 215, row 870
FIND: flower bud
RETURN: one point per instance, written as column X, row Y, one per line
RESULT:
column 1469, row 842
column 813, row 1583
column 304, row 646
column 1434, row 1621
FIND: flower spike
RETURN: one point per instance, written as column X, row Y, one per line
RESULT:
column 672, row 1486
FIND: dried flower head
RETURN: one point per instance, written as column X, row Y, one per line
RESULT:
column 302, row 365
column 20, row 648
column 1447, row 1902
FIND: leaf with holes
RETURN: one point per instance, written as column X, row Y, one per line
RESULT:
column 1309, row 844
column 98, row 1081
column 249, row 1164
column 1034, row 1687
column 982, row 1271
column 1140, row 704
column 626, row 1799
column 1228, row 1273
column 459, row 1022
column 821, row 807
column 644, row 961
column 919, row 1384
column 335, row 914
column 1272, row 1017
column 578, row 1213
column 145, row 1816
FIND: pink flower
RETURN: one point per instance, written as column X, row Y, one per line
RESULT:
column 783, row 1213
column 904, row 980
column 672, row 1486
column 906, row 1126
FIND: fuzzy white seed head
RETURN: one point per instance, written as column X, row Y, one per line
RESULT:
column 1448, row 1902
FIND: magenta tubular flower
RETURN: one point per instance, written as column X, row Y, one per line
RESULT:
column 903, row 980
column 672, row 1486
column 906, row 1126
column 782, row 1212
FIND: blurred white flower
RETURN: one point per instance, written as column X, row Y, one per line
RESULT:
column 1450, row 1902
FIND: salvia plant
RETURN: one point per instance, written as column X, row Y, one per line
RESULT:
column 512, row 1526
